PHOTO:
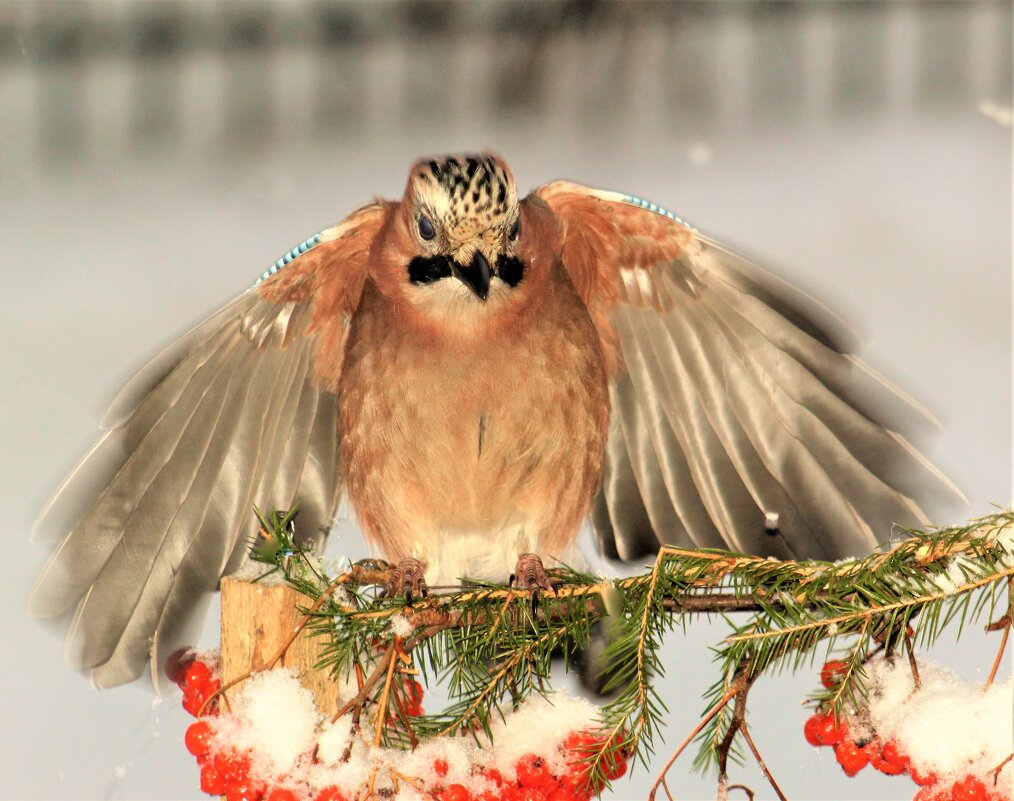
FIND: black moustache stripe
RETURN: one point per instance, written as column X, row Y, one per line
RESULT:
column 510, row 269
column 427, row 269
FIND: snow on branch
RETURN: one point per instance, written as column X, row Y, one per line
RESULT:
column 493, row 649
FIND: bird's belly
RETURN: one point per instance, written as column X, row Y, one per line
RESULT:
column 471, row 464
column 467, row 465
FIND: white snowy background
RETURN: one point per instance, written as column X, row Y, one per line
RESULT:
column 155, row 158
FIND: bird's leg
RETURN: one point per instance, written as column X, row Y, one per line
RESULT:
column 407, row 580
column 530, row 574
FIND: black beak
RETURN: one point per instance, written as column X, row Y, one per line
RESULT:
column 476, row 275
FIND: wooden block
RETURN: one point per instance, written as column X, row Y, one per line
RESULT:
column 257, row 619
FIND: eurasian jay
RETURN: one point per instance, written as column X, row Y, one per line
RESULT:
column 478, row 374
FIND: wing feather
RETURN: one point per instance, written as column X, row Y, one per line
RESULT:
column 233, row 414
column 737, row 399
column 140, row 567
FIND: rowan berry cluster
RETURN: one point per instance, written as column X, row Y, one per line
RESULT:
column 855, row 752
column 226, row 772
column 535, row 781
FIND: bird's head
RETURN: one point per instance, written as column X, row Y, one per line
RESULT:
column 460, row 231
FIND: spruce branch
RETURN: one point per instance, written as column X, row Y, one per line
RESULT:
column 493, row 650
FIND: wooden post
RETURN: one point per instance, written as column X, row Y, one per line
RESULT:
column 257, row 619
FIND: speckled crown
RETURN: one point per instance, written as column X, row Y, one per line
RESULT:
column 478, row 190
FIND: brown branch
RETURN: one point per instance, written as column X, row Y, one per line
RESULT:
column 361, row 697
column 690, row 737
column 385, row 694
column 1004, row 624
column 764, row 768
column 999, row 656
column 742, row 681
column 743, row 787
column 911, row 660
column 996, row 771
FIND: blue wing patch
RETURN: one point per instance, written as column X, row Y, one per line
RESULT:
column 646, row 204
column 297, row 251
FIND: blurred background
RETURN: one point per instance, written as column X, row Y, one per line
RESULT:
column 155, row 157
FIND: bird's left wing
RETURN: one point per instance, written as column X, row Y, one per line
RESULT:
column 738, row 418
column 237, row 412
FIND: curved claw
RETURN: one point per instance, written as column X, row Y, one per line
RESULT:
column 530, row 574
column 407, row 580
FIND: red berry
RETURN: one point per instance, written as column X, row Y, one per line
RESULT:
column 455, row 792
column 331, row 793
column 885, row 766
column 198, row 738
column 851, row 757
column 969, row 788
column 243, row 790
column 561, row 794
column 812, row 730
column 281, row 794
column 440, row 767
column 832, row 673
column 192, row 702
column 932, row 794
column 823, row 729
column 615, row 765
column 892, row 753
column 493, row 775
column 922, row 778
column 233, row 767
column 532, row 772
column 212, row 782
column 583, row 745
column 198, row 675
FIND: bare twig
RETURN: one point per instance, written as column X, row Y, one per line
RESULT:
column 999, row 655
column 743, row 787
column 911, row 661
column 385, row 694
column 764, row 768
column 690, row 737
column 1004, row 624
column 360, row 698
column 742, row 681
column 996, row 771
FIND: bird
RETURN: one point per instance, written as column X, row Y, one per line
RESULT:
column 479, row 374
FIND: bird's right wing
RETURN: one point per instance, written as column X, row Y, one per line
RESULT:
column 739, row 419
column 237, row 412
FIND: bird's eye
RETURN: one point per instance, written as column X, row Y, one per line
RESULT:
column 515, row 230
column 426, row 229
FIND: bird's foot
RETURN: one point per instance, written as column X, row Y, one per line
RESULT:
column 407, row 581
column 530, row 574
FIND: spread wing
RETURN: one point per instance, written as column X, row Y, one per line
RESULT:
column 738, row 419
column 237, row 412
